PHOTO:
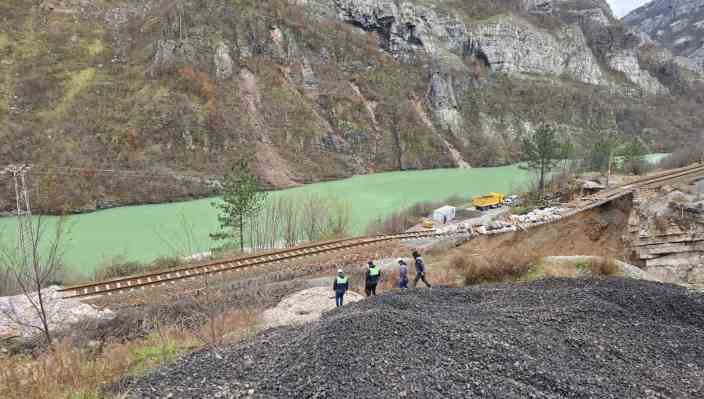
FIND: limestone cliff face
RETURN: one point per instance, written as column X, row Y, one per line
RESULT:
column 675, row 24
column 510, row 44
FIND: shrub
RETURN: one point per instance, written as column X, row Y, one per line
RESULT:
column 604, row 267
column 520, row 210
column 661, row 223
column 117, row 267
column 165, row 262
column 478, row 270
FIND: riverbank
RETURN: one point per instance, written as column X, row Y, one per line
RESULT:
column 146, row 232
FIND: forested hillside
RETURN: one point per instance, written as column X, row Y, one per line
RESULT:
column 314, row 89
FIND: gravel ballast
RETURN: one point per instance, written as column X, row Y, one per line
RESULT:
column 556, row 338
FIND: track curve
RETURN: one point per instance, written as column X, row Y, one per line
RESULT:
column 170, row 276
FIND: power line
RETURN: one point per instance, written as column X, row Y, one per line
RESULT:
column 75, row 171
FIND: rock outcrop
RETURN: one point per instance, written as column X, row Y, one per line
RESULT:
column 508, row 43
column 626, row 62
column 667, row 237
column 512, row 46
column 675, row 24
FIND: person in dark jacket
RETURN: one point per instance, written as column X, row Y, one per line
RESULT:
column 402, row 273
column 340, row 286
column 420, row 270
column 372, row 278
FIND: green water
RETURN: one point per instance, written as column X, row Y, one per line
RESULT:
column 144, row 233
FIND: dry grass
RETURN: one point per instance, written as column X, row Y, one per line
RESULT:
column 483, row 269
column 604, row 266
column 559, row 270
column 599, row 266
column 70, row 372
column 662, row 224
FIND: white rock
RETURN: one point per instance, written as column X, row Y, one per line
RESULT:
column 305, row 306
column 19, row 317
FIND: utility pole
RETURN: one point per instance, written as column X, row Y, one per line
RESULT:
column 25, row 228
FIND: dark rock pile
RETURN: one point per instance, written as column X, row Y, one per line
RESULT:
column 604, row 338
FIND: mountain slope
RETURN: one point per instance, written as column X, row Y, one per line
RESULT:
column 315, row 89
column 675, row 24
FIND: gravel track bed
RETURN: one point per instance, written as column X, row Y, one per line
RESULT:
column 556, row 338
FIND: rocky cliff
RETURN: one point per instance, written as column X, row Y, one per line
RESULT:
column 316, row 89
column 677, row 25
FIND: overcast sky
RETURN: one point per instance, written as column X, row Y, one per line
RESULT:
column 623, row 7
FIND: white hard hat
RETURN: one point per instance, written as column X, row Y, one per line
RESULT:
column 339, row 271
column 399, row 260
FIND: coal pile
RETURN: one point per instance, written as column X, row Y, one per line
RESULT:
column 557, row 338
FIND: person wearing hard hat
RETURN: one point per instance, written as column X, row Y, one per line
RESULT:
column 402, row 273
column 372, row 278
column 340, row 286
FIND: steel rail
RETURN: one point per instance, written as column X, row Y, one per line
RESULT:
column 142, row 281
column 172, row 276
column 186, row 269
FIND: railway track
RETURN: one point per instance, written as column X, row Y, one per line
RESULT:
column 649, row 182
column 173, row 276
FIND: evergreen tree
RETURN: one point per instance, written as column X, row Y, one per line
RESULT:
column 603, row 151
column 633, row 155
column 242, row 201
column 542, row 152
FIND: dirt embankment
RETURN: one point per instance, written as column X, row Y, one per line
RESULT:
column 598, row 232
column 554, row 338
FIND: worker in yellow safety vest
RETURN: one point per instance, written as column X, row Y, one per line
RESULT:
column 340, row 286
column 372, row 278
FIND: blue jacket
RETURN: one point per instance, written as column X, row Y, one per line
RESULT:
column 340, row 288
column 403, row 271
column 420, row 266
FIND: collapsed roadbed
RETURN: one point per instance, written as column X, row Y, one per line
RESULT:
column 548, row 339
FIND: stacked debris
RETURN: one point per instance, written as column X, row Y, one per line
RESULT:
column 538, row 216
column 497, row 227
column 557, row 338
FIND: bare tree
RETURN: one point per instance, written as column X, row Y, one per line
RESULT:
column 209, row 307
column 290, row 221
column 32, row 266
column 313, row 217
column 186, row 243
column 339, row 218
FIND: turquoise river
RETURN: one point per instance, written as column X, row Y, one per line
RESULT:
column 143, row 233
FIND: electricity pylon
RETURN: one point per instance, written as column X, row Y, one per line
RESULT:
column 25, row 227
